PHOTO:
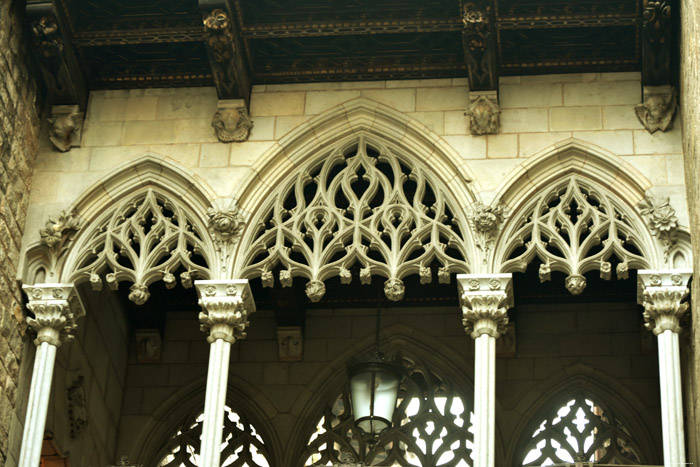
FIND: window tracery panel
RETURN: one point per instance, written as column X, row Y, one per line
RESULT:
column 242, row 445
column 581, row 430
column 574, row 228
column 361, row 204
column 431, row 427
column 146, row 238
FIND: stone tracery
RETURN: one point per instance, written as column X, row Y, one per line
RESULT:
column 365, row 205
column 574, row 227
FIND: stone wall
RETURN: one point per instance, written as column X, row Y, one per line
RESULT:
column 19, row 126
column 538, row 112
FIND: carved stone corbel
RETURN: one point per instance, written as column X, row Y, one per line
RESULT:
column 66, row 126
column 231, row 121
column 290, row 343
column 658, row 108
column 483, row 113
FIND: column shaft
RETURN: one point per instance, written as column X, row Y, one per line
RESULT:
column 39, row 395
column 217, row 379
column 484, row 400
column 671, row 399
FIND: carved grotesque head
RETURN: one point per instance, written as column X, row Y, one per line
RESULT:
column 232, row 125
column 62, row 132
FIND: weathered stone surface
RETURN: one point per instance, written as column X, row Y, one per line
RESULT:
column 19, row 129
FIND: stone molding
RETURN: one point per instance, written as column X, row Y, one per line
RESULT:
column 56, row 308
column 661, row 293
column 485, row 300
column 226, row 306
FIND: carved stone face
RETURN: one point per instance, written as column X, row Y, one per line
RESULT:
column 231, row 125
column 658, row 106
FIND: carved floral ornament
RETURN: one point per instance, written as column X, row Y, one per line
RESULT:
column 574, row 228
column 359, row 212
column 661, row 219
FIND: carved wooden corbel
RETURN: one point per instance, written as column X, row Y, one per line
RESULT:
column 479, row 44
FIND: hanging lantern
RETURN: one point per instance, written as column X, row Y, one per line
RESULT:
column 374, row 388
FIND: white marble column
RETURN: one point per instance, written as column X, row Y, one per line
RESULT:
column 56, row 308
column 485, row 300
column 662, row 293
column 225, row 305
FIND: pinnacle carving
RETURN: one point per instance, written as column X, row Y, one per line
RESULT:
column 485, row 300
column 484, row 113
column 662, row 294
column 661, row 220
column 56, row 307
column 225, row 305
column 486, row 222
column 658, row 108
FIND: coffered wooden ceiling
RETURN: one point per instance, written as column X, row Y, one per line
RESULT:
column 137, row 43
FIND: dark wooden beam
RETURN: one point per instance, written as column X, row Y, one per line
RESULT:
column 139, row 36
column 347, row 28
column 479, row 44
column 657, row 42
column 229, row 67
column 55, row 53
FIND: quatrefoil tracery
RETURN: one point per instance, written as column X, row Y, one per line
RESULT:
column 574, row 228
column 361, row 205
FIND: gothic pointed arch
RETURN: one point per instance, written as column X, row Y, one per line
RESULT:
column 583, row 414
column 362, row 200
column 574, row 208
column 428, row 353
column 174, row 425
column 143, row 222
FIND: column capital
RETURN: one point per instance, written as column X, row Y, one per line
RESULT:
column 56, row 308
column 485, row 299
column 661, row 293
column 226, row 305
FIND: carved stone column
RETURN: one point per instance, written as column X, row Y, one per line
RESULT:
column 225, row 305
column 662, row 294
column 56, row 307
column 485, row 300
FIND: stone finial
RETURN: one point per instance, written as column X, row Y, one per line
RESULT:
column 226, row 305
column 232, row 122
column 58, row 230
column 661, row 219
column 661, row 293
column 658, row 108
column 485, row 300
column 486, row 222
column 56, row 308
column 483, row 113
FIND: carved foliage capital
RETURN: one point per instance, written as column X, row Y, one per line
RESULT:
column 661, row 293
column 485, row 300
column 226, row 306
column 484, row 114
column 658, row 108
column 56, row 308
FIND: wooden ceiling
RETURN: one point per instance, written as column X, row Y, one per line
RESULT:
column 136, row 43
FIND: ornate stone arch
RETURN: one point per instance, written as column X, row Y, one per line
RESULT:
column 309, row 219
column 326, row 386
column 140, row 223
column 147, row 447
column 574, row 207
column 582, row 379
